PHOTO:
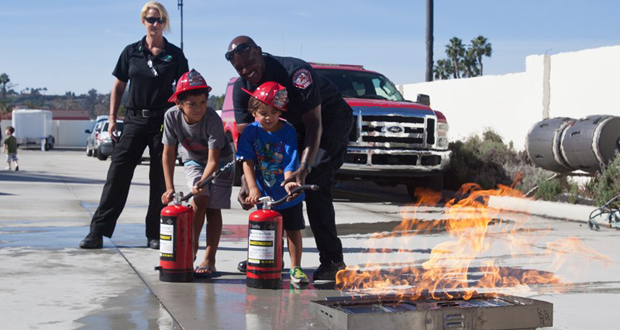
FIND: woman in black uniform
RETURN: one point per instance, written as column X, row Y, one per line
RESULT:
column 151, row 66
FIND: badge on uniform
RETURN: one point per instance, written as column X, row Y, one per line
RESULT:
column 302, row 79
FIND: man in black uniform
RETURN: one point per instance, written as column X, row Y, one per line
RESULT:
column 153, row 65
column 322, row 120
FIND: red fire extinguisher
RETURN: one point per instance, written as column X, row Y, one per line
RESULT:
column 176, row 248
column 264, row 263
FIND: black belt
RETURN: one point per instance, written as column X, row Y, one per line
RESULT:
column 146, row 113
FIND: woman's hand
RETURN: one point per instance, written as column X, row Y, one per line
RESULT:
column 167, row 197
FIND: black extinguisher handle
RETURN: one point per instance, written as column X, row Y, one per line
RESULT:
column 209, row 179
column 296, row 190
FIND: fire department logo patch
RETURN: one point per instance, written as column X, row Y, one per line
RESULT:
column 195, row 79
column 280, row 99
column 302, row 79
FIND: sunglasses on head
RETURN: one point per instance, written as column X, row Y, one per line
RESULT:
column 240, row 49
column 152, row 20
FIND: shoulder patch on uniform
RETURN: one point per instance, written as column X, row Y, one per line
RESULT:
column 302, row 79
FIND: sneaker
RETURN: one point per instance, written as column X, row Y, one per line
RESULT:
column 328, row 272
column 298, row 276
column 92, row 241
column 17, row 168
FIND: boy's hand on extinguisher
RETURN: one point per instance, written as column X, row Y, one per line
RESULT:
column 195, row 190
column 253, row 196
column 167, row 197
column 290, row 186
column 298, row 177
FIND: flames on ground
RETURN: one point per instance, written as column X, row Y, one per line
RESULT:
column 462, row 264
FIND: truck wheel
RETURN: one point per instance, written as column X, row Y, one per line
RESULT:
column 101, row 156
column 434, row 183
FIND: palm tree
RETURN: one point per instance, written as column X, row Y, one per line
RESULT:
column 443, row 69
column 455, row 50
column 481, row 48
column 4, row 81
column 470, row 63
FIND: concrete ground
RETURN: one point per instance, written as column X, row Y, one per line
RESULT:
column 47, row 282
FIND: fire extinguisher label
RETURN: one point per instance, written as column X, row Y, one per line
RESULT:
column 261, row 245
column 166, row 238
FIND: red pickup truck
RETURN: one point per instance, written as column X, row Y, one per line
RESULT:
column 393, row 141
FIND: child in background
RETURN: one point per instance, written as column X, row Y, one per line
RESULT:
column 268, row 147
column 10, row 147
column 204, row 148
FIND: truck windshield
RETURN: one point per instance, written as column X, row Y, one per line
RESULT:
column 363, row 85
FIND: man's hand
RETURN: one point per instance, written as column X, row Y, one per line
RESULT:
column 167, row 197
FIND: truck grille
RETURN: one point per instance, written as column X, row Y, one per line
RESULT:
column 394, row 132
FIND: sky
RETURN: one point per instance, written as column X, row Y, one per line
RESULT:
column 73, row 45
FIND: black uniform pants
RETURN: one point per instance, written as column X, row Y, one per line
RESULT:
column 319, row 204
column 138, row 132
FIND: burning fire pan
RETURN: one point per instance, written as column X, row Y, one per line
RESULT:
column 482, row 311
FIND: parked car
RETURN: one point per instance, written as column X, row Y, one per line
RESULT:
column 106, row 144
column 91, row 141
column 393, row 140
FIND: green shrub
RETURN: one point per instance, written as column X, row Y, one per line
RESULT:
column 548, row 189
column 607, row 186
column 478, row 161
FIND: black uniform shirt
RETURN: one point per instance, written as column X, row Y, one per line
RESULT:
column 147, row 91
column 306, row 89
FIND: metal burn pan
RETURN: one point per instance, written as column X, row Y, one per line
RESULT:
column 488, row 312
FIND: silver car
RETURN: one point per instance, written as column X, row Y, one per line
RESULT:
column 91, row 141
column 106, row 144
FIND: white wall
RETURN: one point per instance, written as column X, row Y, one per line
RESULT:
column 585, row 82
column 70, row 133
column 573, row 85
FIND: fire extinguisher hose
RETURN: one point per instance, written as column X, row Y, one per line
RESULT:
column 294, row 191
column 209, row 179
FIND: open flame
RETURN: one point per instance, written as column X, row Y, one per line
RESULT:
column 461, row 265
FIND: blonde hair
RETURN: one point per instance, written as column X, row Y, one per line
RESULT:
column 162, row 11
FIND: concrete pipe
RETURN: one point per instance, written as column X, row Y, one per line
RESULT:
column 591, row 142
column 543, row 144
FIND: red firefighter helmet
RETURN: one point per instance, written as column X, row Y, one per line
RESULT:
column 271, row 93
column 188, row 81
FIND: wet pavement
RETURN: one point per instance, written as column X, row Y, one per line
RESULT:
column 47, row 282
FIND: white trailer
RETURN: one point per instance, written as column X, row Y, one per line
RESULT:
column 33, row 127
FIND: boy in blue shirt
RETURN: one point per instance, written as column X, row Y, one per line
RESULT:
column 268, row 147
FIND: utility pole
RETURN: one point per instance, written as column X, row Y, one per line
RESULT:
column 429, row 40
column 181, row 9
